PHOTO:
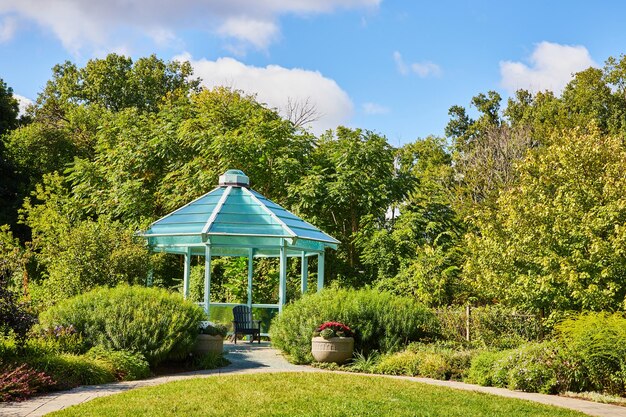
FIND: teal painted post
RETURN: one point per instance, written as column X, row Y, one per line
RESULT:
column 304, row 272
column 320, row 271
column 187, row 273
column 207, row 279
column 250, row 272
column 282, row 289
column 150, row 277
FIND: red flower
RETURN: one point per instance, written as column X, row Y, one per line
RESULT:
column 340, row 329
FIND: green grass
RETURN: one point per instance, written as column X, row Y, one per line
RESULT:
column 305, row 394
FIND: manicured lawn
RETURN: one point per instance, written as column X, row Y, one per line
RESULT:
column 315, row 394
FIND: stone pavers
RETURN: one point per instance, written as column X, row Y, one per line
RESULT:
column 254, row 358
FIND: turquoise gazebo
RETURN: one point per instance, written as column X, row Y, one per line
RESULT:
column 234, row 220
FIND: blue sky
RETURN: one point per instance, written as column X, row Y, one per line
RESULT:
column 389, row 66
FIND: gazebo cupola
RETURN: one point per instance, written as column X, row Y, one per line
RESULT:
column 234, row 220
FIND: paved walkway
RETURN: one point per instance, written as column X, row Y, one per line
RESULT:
column 247, row 358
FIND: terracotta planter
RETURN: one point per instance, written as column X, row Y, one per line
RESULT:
column 206, row 343
column 335, row 349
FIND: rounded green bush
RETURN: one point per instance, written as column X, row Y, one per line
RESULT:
column 382, row 321
column 533, row 368
column 150, row 321
column 486, row 368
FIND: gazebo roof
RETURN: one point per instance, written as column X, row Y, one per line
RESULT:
column 233, row 219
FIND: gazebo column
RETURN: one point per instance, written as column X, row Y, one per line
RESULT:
column 187, row 273
column 250, row 272
column 282, row 288
column 207, row 278
column 320, row 271
column 304, row 272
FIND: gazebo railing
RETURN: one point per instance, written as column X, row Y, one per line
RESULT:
column 260, row 306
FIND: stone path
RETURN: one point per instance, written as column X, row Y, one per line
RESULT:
column 247, row 358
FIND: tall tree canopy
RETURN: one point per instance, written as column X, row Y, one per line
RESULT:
column 557, row 239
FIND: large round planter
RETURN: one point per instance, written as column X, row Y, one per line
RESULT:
column 335, row 349
column 206, row 343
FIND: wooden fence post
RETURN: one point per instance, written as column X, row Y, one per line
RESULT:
column 468, row 312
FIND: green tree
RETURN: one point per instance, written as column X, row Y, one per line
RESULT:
column 115, row 83
column 9, row 108
column 556, row 239
column 9, row 111
column 351, row 177
column 417, row 252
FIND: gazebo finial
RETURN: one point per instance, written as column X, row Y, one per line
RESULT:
column 235, row 178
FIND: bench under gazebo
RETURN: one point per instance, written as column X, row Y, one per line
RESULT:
column 234, row 220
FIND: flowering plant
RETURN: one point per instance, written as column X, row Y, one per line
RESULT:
column 333, row 329
column 212, row 329
column 61, row 339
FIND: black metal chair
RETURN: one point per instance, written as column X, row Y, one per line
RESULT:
column 243, row 323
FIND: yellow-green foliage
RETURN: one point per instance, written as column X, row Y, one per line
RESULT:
column 556, row 240
column 401, row 363
column 70, row 370
column 427, row 360
column 597, row 343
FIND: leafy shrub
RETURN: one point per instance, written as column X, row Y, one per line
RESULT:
column 8, row 350
column 150, row 321
column 381, row 321
column 596, row 343
column 126, row 366
column 75, row 260
column 14, row 316
column 21, row 382
column 486, row 368
column 72, row 370
column 533, row 368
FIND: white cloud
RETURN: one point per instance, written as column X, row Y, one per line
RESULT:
column 276, row 85
column 551, row 67
column 23, row 102
column 259, row 33
column 374, row 108
column 426, row 68
column 8, row 26
column 84, row 23
column 421, row 69
column 400, row 65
